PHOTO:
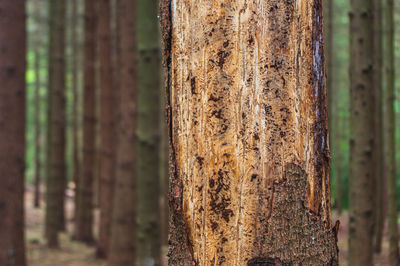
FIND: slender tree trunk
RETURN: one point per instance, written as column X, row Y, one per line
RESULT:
column 107, row 123
column 362, row 134
column 84, row 230
column 38, row 146
column 333, row 92
column 389, row 132
column 379, row 216
column 248, row 133
column 164, row 173
column 123, row 249
column 56, row 180
column 148, row 135
column 12, row 131
column 75, row 108
column 48, row 110
column 338, row 160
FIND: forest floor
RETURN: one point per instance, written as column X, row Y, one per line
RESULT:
column 72, row 253
column 343, row 243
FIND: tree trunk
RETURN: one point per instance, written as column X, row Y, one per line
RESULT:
column 75, row 107
column 84, row 230
column 333, row 93
column 107, row 123
column 389, row 133
column 379, row 216
column 164, row 173
column 122, row 249
column 12, row 131
column 362, row 134
column 248, row 133
column 37, row 100
column 56, row 181
column 148, row 135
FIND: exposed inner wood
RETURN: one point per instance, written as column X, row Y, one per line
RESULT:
column 250, row 155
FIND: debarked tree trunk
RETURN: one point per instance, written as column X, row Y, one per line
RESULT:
column 249, row 181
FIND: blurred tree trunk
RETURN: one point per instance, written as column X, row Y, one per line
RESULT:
column 12, row 131
column 333, row 94
column 164, row 171
column 389, row 132
column 37, row 100
column 247, row 96
column 362, row 134
column 84, row 230
column 56, row 181
column 107, row 123
column 75, row 108
column 379, row 214
column 123, row 248
column 148, row 134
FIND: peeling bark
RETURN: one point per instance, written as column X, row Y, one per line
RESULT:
column 249, row 181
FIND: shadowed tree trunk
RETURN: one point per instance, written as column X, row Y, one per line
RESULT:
column 362, row 134
column 107, row 123
column 389, row 132
column 12, row 131
column 148, row 135
column 37, row 100
column 75, row 108
column 84, row 230
column 56, row 181
column 248, row 133
column 123, row 237
column 379, row 213
column 333, row 94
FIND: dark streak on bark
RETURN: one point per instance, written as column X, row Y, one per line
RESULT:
column 181, row 251
column 321, row 144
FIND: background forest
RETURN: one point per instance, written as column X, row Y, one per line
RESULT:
column 76, row 62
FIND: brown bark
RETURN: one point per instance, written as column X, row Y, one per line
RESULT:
column 75, row 107
column 107, row 123
column 248, row 133
column 333, row 92
column 84, row 221
column 122, row 249
column 148, row 135
column 379, row 208
column 56, row 181
column 362, row 134
column 37, row 99
column 389, row 133
column 12, row 131
column 164, row 170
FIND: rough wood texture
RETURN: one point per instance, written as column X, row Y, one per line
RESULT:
column 248, row 132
